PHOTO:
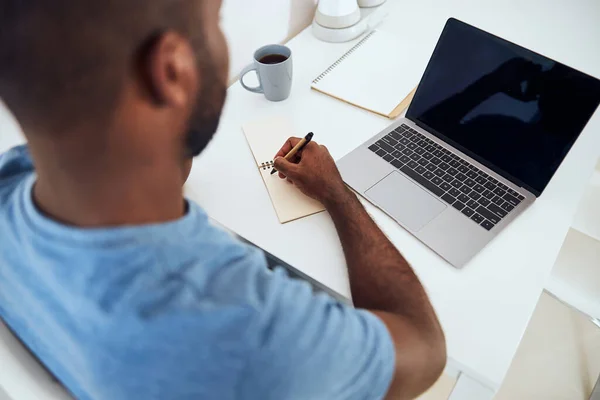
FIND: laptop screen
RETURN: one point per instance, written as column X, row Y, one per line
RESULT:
column 513, row 110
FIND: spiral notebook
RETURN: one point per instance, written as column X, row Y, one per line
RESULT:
column 371, row 75
column 265, row 138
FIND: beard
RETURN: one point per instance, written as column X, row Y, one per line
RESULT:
column 204, row 120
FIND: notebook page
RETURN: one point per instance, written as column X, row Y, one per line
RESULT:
column 375, row 75
column 265, row 138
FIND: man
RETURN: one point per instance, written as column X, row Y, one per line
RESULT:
column 122, row 288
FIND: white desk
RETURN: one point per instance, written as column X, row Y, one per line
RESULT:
column 485, row 307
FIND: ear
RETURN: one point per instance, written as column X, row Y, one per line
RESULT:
column 169, row 70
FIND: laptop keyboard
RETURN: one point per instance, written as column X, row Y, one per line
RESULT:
column 465, row 187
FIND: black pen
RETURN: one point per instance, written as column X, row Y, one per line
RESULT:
column 299, row 146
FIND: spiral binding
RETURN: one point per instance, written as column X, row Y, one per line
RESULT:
column 266, row 165
column 342, row 58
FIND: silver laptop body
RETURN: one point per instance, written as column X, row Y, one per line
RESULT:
column 454, row 197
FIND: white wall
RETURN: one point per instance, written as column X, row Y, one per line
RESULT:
column 250, row 24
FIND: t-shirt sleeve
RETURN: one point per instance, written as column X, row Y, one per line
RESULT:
column 313, row 347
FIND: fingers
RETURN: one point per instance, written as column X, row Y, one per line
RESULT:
column 287, row 146
column 285, row 168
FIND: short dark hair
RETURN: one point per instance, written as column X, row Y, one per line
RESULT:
column 63, row 62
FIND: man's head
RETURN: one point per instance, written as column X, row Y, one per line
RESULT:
column 145, row 75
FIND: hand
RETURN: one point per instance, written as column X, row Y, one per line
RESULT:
column 313, row 171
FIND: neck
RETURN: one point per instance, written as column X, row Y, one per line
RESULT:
column 101, row 187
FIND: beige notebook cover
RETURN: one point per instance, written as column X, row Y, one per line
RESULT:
column 371, row 75
column 265, row 138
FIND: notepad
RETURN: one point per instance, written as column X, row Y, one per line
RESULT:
column 371, row 75
column 265, row 138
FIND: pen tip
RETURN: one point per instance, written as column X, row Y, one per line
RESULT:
column 273, row 171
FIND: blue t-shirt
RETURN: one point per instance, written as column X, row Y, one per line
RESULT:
column 179, row 310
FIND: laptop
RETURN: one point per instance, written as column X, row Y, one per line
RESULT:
column 487, row 129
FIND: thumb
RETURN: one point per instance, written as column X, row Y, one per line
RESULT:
column 284, row 166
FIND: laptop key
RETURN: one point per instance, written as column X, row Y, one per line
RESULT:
column 448, row 199
column 465, row 189
column 480, row 179
column 493, row 218
column 488, row 195
column 477, row 218
column 498, row 191
column 422, row 161
column 483, row 201
column 420, row 170
column 463, row 198
column 458, row 205
column 422, row 181
column 396, row 135
column 446, row 158
column 388, row 158
column 428, row 174
column 456, row 183
column 397, row 163
column 381, row 152
column 404, row 141
column 389, row 140
column 454, row 163
column 419, row 150
column 438, row 172
column 472, row 174
column 463, row 168
column 430, row 148
column 437, row 180
column 448, row 178
column 461, row 177
column 467, row 211
column 374, row 147
column 474, row 195
column 454, row 192
column 397, row 154
column 472, row 203
column 445, row 186
column 511, row 199
column 452, row 171
column 497, row 200
column 438, row 153
column 469, row 182
column 508, row 207
column 412, row 164
column 385, row 146
column 497, row 210
column 430, row 167
column 436, row 160
column 487, row 224
column 404, row 159
column 415, row 157
column 444, row 166
column 520, row 197
column 411, row 146
column 489, row 185
column 478, row 188
column 428, row 156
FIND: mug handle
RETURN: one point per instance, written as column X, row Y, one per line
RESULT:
column 257, row 89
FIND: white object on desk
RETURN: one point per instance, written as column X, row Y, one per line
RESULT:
column 341, row 20
column 371, row 76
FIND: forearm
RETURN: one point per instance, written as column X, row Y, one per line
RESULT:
column 380, row 278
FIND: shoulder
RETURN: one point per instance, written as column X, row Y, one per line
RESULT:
column 15, row 166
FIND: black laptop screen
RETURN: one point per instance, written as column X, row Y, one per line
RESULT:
column 515, row 111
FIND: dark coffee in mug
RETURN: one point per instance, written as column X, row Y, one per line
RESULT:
column 272, row 59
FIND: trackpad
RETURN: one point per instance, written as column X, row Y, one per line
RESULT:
column 406, row 202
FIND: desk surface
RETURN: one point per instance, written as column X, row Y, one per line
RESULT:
column 485, row 307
